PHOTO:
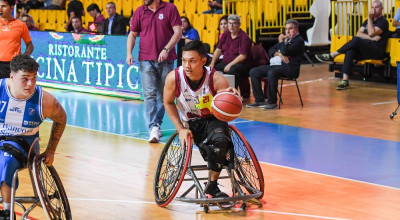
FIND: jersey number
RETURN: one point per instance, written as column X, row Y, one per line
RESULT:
column 3, row 105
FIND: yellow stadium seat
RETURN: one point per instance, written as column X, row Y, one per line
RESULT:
column 127, row 8
column 118, row 5
column 210, row 37
column 61, row 16
column 51, row 16
column 202, row 5
column 136, row 4
column 60, row 27
column 180, row 5
column 35, row 15
column 42, row 15
column 49, row 26
column 336, row 43
column 394, row 50
column 212, row 21
column 190, row 7
column 199, row 21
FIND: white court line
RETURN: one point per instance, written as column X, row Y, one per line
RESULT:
column 383, row 103
column 307, row 171
column 194, row 205
column 295, row 214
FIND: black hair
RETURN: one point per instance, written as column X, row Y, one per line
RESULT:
column 197, row 46
column 25, row 63
column 9, row 2
column 187, row 20
column 225, row 17
column 92, row 7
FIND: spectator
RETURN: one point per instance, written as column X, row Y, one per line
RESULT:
column 223, row 25
column 11, row 32
column 285, row 62
column 156, row 55
column 29, row 22
column 396, row 24
column 216, row 7
column 24, row 10
column 369, row 43
column 35, row 105
column 35, row 4
column 75, row 9
column 188, row 34
column 115, row 24
column 235, row 45
column 77, row 25
column 94, row 11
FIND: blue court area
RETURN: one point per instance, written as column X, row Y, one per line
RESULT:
column 359, row 158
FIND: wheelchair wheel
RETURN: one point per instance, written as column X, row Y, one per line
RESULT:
column 50, row 190
column 171, row 170
column 247, row 170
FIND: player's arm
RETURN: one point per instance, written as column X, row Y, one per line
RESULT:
column 29, row 48
column 52, row 109
column 221, row 84
column 130, row 44
column 170, row 107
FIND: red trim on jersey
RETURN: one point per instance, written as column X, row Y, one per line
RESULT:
column 177, row 83
column 211, row 82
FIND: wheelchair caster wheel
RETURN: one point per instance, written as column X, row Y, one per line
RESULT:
column 206, row 209
column 244, row 206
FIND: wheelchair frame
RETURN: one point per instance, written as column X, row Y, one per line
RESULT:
column 47, row 189
column 245, row 174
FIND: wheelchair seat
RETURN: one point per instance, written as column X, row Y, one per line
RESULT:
column 47, row 188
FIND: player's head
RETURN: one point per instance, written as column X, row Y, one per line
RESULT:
column 194, row 57
column 6, row 8
column 23, row 76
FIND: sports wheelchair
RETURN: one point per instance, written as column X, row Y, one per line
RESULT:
column 243, row 170
column 47, row 188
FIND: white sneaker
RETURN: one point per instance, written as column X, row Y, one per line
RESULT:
column 155, row 134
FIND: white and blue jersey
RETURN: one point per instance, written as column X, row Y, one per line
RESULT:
column 20, row 117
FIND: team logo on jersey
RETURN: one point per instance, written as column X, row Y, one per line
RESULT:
column 31, row 111
column 161, row 16
column 15, row 109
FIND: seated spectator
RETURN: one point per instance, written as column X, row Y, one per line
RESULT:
column 77, row 25
column 188, row 34
column 285, row 62
column 95, row 12
column 24, row 10
column 75, row 9
column 369, row 43
column 223, row 25
column 235, row 45
column 35, row 4
column 115, row 24
column 29, row 22
column 396, row 24
column 216, row 7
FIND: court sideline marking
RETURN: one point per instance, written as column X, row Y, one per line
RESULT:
column 193, row 205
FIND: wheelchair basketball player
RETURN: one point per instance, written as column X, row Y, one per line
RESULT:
column 23, row 107
column 193, row 85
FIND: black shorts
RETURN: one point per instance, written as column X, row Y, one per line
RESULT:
column 4, row 70
column 201, row 128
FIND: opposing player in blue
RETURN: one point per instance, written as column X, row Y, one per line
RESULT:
column 193, row 85
column 23, row 107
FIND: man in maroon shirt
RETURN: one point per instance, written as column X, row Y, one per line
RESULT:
column 29, row 23
column 235, row 45
column 160, row 27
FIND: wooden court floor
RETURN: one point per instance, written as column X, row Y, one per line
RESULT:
column 110, row 176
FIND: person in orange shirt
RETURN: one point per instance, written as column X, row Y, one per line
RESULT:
column 11, row 32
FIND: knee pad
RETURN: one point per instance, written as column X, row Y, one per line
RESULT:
column 216, row 147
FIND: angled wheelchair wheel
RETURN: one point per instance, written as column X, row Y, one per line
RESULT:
column 50, row 190
column 247, row 170
column 171, row 170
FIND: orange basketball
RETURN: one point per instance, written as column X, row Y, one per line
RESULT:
column 226, row 106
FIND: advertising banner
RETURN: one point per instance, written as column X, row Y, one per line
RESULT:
column 86, row 63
